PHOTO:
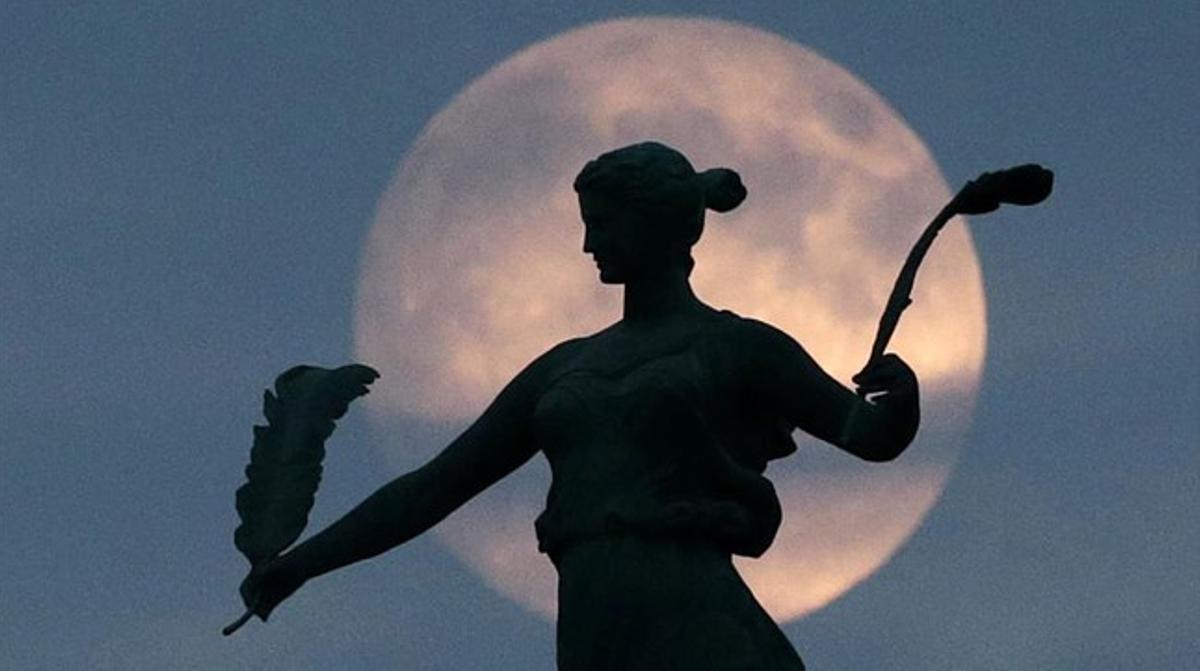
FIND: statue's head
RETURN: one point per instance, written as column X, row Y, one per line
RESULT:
column 643, row 209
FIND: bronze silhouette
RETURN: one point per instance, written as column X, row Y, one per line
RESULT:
column 657, row 429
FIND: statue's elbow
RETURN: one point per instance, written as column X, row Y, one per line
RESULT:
column 884, row 453
column 900, row 434
column 888, row 448
column 883, row 433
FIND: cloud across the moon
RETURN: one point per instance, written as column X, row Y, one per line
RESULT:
column 474, row 267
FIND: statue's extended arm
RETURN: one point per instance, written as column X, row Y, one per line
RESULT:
column 494, row 446
column 411, row 504
column 875, row 430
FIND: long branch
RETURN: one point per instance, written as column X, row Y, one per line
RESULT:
column 901, row 296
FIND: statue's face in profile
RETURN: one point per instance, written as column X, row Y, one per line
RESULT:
column 609, row 236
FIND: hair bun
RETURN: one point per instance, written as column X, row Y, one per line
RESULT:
column 723, row 189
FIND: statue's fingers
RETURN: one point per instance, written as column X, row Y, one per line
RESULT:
column 874, row 366
column 879, row 377
column 873, row 388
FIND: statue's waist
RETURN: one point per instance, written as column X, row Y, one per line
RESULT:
column 683, row 525
column 635, row 551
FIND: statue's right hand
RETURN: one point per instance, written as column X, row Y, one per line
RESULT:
column 268, row 585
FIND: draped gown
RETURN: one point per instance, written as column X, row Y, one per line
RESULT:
column 657, row 460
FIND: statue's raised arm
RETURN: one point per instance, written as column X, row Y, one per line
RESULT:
column 784, row 376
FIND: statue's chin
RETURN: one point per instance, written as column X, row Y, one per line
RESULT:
column 609, row 277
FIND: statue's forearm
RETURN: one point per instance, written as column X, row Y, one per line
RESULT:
column 394, row 514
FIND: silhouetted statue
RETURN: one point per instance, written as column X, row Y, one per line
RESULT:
column 657, row 429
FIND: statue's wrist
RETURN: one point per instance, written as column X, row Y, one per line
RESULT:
column 293, row 568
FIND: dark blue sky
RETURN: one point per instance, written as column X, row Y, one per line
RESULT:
column 184, row 193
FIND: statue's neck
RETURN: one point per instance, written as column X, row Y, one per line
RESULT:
column 652, row 300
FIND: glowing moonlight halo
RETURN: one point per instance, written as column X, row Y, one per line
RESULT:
column 473, row 267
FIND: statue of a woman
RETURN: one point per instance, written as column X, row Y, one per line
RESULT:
column 658, row 430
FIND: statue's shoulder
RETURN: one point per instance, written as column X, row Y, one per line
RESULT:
column 561, row 356
column 735, row 329
column 570, row 354
column 748, row 343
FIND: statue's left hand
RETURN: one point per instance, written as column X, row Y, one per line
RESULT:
column 888, row 375
column 268, row 585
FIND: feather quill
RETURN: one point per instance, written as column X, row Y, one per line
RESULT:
column 286, row 458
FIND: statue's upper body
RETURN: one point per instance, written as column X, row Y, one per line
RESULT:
column 657, row 429
column 668, row 432
column 659, row 438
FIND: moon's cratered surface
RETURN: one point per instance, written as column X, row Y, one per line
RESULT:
column 473, row 267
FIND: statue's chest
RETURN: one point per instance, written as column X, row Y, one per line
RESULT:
column 603, row 413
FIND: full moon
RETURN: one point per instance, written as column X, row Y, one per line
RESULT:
column 473, row 267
